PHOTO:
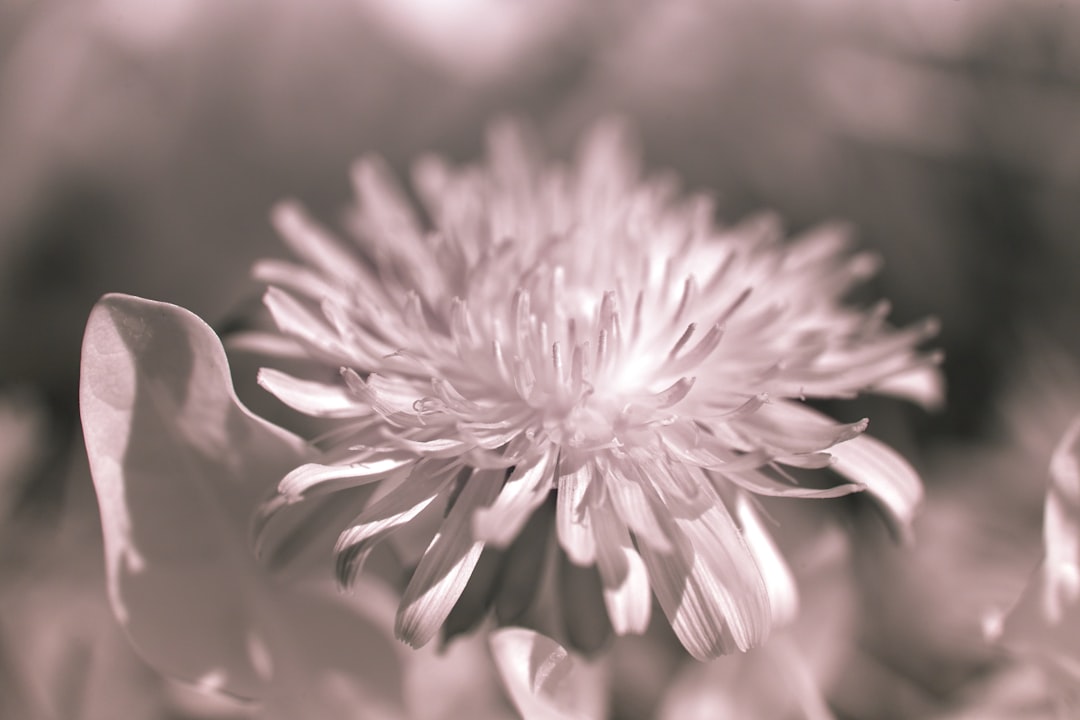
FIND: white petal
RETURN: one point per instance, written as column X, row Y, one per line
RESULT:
column 886, row 475
column 543, row 680
column 266, row 344
column 300, row 279
column 389, row 512
column 1061, row 528
column 684, row 588
column 792, row 428
column 739, row 591
column 312, row 398
column 762, row 482
column 527, row 487
column 779, row 582
column 572, row 522
column 315, row 245
column 627, row 594
column 315, row 477
column 444, row 570
column 709, row 585
column 629, row 501
column 297, row 320
column 924, row 385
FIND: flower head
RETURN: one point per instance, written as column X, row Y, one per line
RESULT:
column 584, row 333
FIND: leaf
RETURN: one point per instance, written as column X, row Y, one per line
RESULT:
column 179, row 466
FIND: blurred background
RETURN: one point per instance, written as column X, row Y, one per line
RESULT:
column 143, row 143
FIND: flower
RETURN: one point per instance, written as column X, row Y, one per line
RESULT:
column 584, row 333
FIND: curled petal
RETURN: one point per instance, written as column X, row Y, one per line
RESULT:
column 543, row 680
column 313, row 398
column 885, row 474
column 793, row 429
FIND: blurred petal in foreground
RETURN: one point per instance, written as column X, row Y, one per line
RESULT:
column 1044, row 625
column 178, row 466
column 544, row 681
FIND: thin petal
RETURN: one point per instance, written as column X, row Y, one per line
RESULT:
column 315, row 245
column 779, row 582
column 791, row 428
column 295, row 319
column 633, row 507
column 397, row 507
column 739, row 589
column 762, row 482
column 310, row 397
column 523, row 492
column 626, row 581
column 572, row 521
column 871, row 463
column 886, row 475
column 709, row 585
column 312, row 478
column 444, row 570
column 924, row 385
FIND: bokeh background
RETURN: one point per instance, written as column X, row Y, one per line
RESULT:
column 143, row 143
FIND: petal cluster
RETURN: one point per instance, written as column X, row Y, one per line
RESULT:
column 585, row 332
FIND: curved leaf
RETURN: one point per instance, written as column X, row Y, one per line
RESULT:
column 179, row 466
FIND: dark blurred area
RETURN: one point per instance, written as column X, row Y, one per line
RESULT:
column 143, row 143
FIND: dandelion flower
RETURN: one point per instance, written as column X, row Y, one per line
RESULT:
column 583, row 340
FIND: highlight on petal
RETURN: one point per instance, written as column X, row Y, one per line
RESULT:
column 626, row 581
column 779, row 582
column 544, row 681
column 310, row 397
column 887, row 476
column 446, row 565
column 709, row 586
column 526, row 488
column 922, row 385
column 1061, row 529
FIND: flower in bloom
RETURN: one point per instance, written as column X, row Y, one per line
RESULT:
column 582, row 343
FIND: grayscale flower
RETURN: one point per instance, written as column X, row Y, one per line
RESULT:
column 582, row 341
